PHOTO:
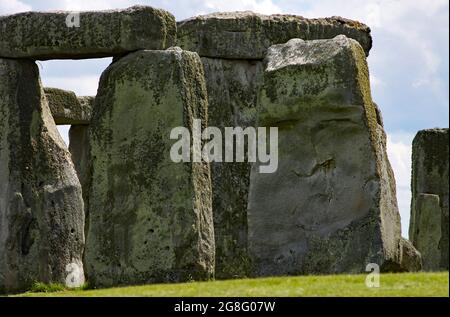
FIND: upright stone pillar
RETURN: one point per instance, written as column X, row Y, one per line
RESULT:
column 232, row 46
column 41, row 208
column 69, row 109
column 79, row 150
column 232, row 88
column 428, row 229
column 150, row 219
column 331, row 206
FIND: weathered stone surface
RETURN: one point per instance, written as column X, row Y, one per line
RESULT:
column 429, row 222
column 232, row 88
column 79, row 149
column 248, row 35
column 331, row 206
column 150, row 219
column 410, row 258
column 67, row 108
column 41, row 208
column 45, row 35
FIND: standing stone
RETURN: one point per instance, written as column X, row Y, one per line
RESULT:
column 150, row 219
column 232, row 89
column 79, row 150
column 41, row 208
column 248, row 35
column 410, row 259
column 331, row 206
column 90, row 34
column 428, row 228
column 67, row 108
column 233, row 74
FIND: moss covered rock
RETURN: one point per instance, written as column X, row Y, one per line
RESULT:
column 67, row 108
column 232, row 89
column 331, row 206
column 410, row 258
column 150, row 219
column 428, row 229
column 46, row 35
column 248, row 35
column 41, row 208
column 79, row 150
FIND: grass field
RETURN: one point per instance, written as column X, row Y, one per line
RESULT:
column 408, row 284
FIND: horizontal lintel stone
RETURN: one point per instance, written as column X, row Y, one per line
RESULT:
column 88, row 34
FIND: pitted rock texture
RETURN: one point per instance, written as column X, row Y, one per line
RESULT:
column 46, row 35
column 331, row 206
column 410, row 258
column 79, row 150
column 67, row 108
column 150, row 219
column 428, row 229
column 232, row 88
column 41, row 208
column 248, row 35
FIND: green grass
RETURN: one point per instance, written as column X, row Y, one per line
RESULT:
column 407, row 284
column 39, row 287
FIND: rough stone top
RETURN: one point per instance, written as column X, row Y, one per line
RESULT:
column 432, row 131
column 67, row 108
column 88, row 34
column 432, row 144
column 327, row 74
column 247, row 35
column 432, row 139
column 297, row 52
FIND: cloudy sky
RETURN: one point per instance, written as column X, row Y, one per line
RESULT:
column 409, row 61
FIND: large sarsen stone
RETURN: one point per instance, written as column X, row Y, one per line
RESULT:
column 41, row 208
column 331, row 206
column 48, row 35
column 428, row 229
column 79, row 149
column 232, row 88
column 150, row 219
column 248, row 35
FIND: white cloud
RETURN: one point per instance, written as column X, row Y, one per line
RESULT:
column 260, row 6
column 399, row 146
column 79, row 5
column 81, row 85
column 64, row 132
column 13, row 6
column 375, row 81
column 181, row 9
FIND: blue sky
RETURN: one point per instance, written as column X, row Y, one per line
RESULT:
column 408, row 63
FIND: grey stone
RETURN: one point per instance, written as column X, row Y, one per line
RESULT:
column 79, row 150
column 67, row 108
column 248, row 35
column 410, row 258
column 41, row 208
column 331, row 206
column 150, row 219
column 45, row 35
column 232, row 88
column 429, row 221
